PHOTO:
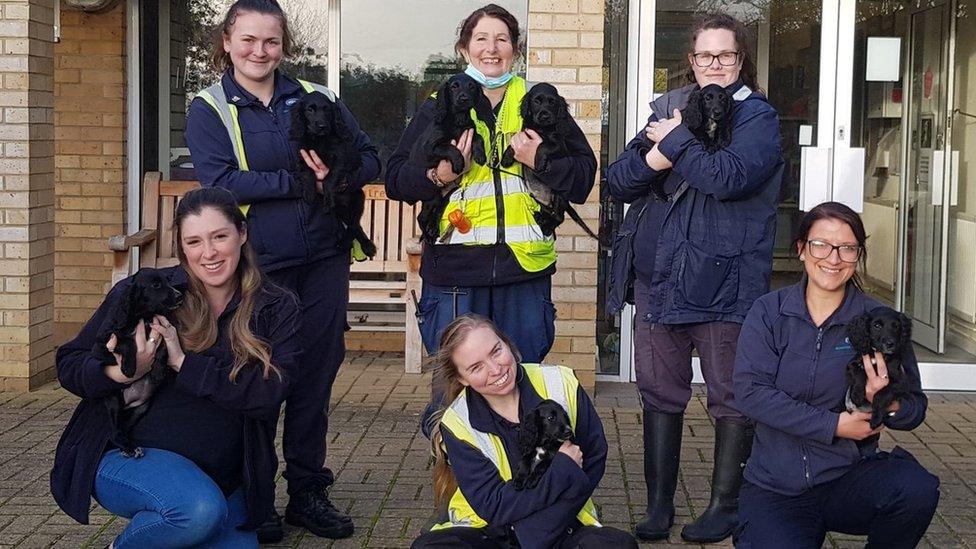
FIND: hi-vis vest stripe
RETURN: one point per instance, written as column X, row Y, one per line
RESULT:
column 476, row 194
column 217, row 99
column 553, row 382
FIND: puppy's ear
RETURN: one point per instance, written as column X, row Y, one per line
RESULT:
column 859, row 334
column 691, row 115
column 339, row 123
column 442, row 104
column 526, row 109
column 298, row 121
column 529, row 429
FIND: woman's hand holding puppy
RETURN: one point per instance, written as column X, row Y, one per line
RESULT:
column 855, row 426
column 573, row 451
column 175, row 355
column 444, row 171
column 145, row 352
column 526, row 145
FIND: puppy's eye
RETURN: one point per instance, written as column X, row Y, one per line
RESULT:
column 156, row 285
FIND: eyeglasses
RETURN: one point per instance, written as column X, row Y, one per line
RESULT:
column 848, row 253
column 726, row 58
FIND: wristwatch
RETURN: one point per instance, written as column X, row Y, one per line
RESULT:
column 432, row 176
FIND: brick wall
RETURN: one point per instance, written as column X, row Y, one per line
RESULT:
column 565, row 47
column 89, row 117
column 26, row 194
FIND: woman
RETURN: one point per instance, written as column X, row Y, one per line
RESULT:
column 699, row 258
column 208, row 437
column 789, row 374
column 502, row 267
column 237, row 132
column 489, row 390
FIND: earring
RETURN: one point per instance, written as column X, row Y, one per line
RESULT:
column 802, row 258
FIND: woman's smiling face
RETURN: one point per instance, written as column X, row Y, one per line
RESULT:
column 485, row 363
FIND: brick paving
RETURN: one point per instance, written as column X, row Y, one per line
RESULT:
column 383, row 472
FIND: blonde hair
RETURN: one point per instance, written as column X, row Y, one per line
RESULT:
column 196, row 319
column 445, row 371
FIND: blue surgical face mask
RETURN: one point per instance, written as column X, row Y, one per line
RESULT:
column 490, row 82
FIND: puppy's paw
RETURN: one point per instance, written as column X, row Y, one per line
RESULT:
column 135, row 453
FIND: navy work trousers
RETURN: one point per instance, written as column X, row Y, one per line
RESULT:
column 322, row 288
column 523, row 310
column 889, row 497
column 662, row 360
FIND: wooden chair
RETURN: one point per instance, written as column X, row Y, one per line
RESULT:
column 377, row 287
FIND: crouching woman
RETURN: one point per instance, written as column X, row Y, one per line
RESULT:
column 207, row 474
column 812, row 469
column 477, row 450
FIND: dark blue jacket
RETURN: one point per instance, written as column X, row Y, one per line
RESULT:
column 204, row 375
column 283, row 229
column 788, row 375
column 714, row 245
column 540, row 515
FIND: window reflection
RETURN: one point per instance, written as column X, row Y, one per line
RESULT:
column 394, row 54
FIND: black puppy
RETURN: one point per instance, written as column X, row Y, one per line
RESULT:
column 452, row 117
column 708, row 115
column 547, row 113
column 317, row 125
column 149, row 294
column 541, row 432
column 890, row 333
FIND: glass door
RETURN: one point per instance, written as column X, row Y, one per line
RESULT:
column 924, row 212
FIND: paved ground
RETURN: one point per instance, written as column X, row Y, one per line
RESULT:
column 383, row 472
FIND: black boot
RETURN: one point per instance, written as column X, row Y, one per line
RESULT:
column 271, row 530
column 662, row 450
column 311, row 508
column 733, row 444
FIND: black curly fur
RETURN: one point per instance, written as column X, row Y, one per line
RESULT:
column 317, row 125
column 542, row 431
column 452, row 117
column 149, row 294
column 889, row 332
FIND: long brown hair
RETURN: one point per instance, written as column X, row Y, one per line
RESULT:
column 466, row 28
column 843, row 213
column 444, row 368
column 725, row 21
column 221, row 59
column 195, row 318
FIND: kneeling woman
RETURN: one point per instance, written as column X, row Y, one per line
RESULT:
column 476, row 444
column 811, row 469
column 208, row 435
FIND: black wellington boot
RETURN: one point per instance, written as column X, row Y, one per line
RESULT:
column 733, row 444
column 662, row 450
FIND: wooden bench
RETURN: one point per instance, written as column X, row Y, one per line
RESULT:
column 381, row 290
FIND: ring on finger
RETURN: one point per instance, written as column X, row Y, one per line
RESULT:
column 152, row 340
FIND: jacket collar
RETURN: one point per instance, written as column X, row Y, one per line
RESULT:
column 795, row 304
column 237, row 95
column 484, row 419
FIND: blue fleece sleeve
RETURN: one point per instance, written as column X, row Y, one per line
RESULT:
column 405, row 180
column 738, row 171
column 629, row 177
column 216, row 165
column 251, row 393
column 80, row 371
column 912, row 408
column 572, row 176
column 754, row 384
column 497, row 501
column 370, row 170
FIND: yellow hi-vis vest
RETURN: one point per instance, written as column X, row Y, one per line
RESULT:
column 558, row 383
column 477, row 196
column 227, row 111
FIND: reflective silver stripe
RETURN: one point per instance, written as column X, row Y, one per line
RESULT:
column 218, row 100
column 743, row 92
column 488, row 235
column 460, row 407
column 510, row 185
column 553, row 379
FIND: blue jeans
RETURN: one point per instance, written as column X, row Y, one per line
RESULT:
column 170, row 503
